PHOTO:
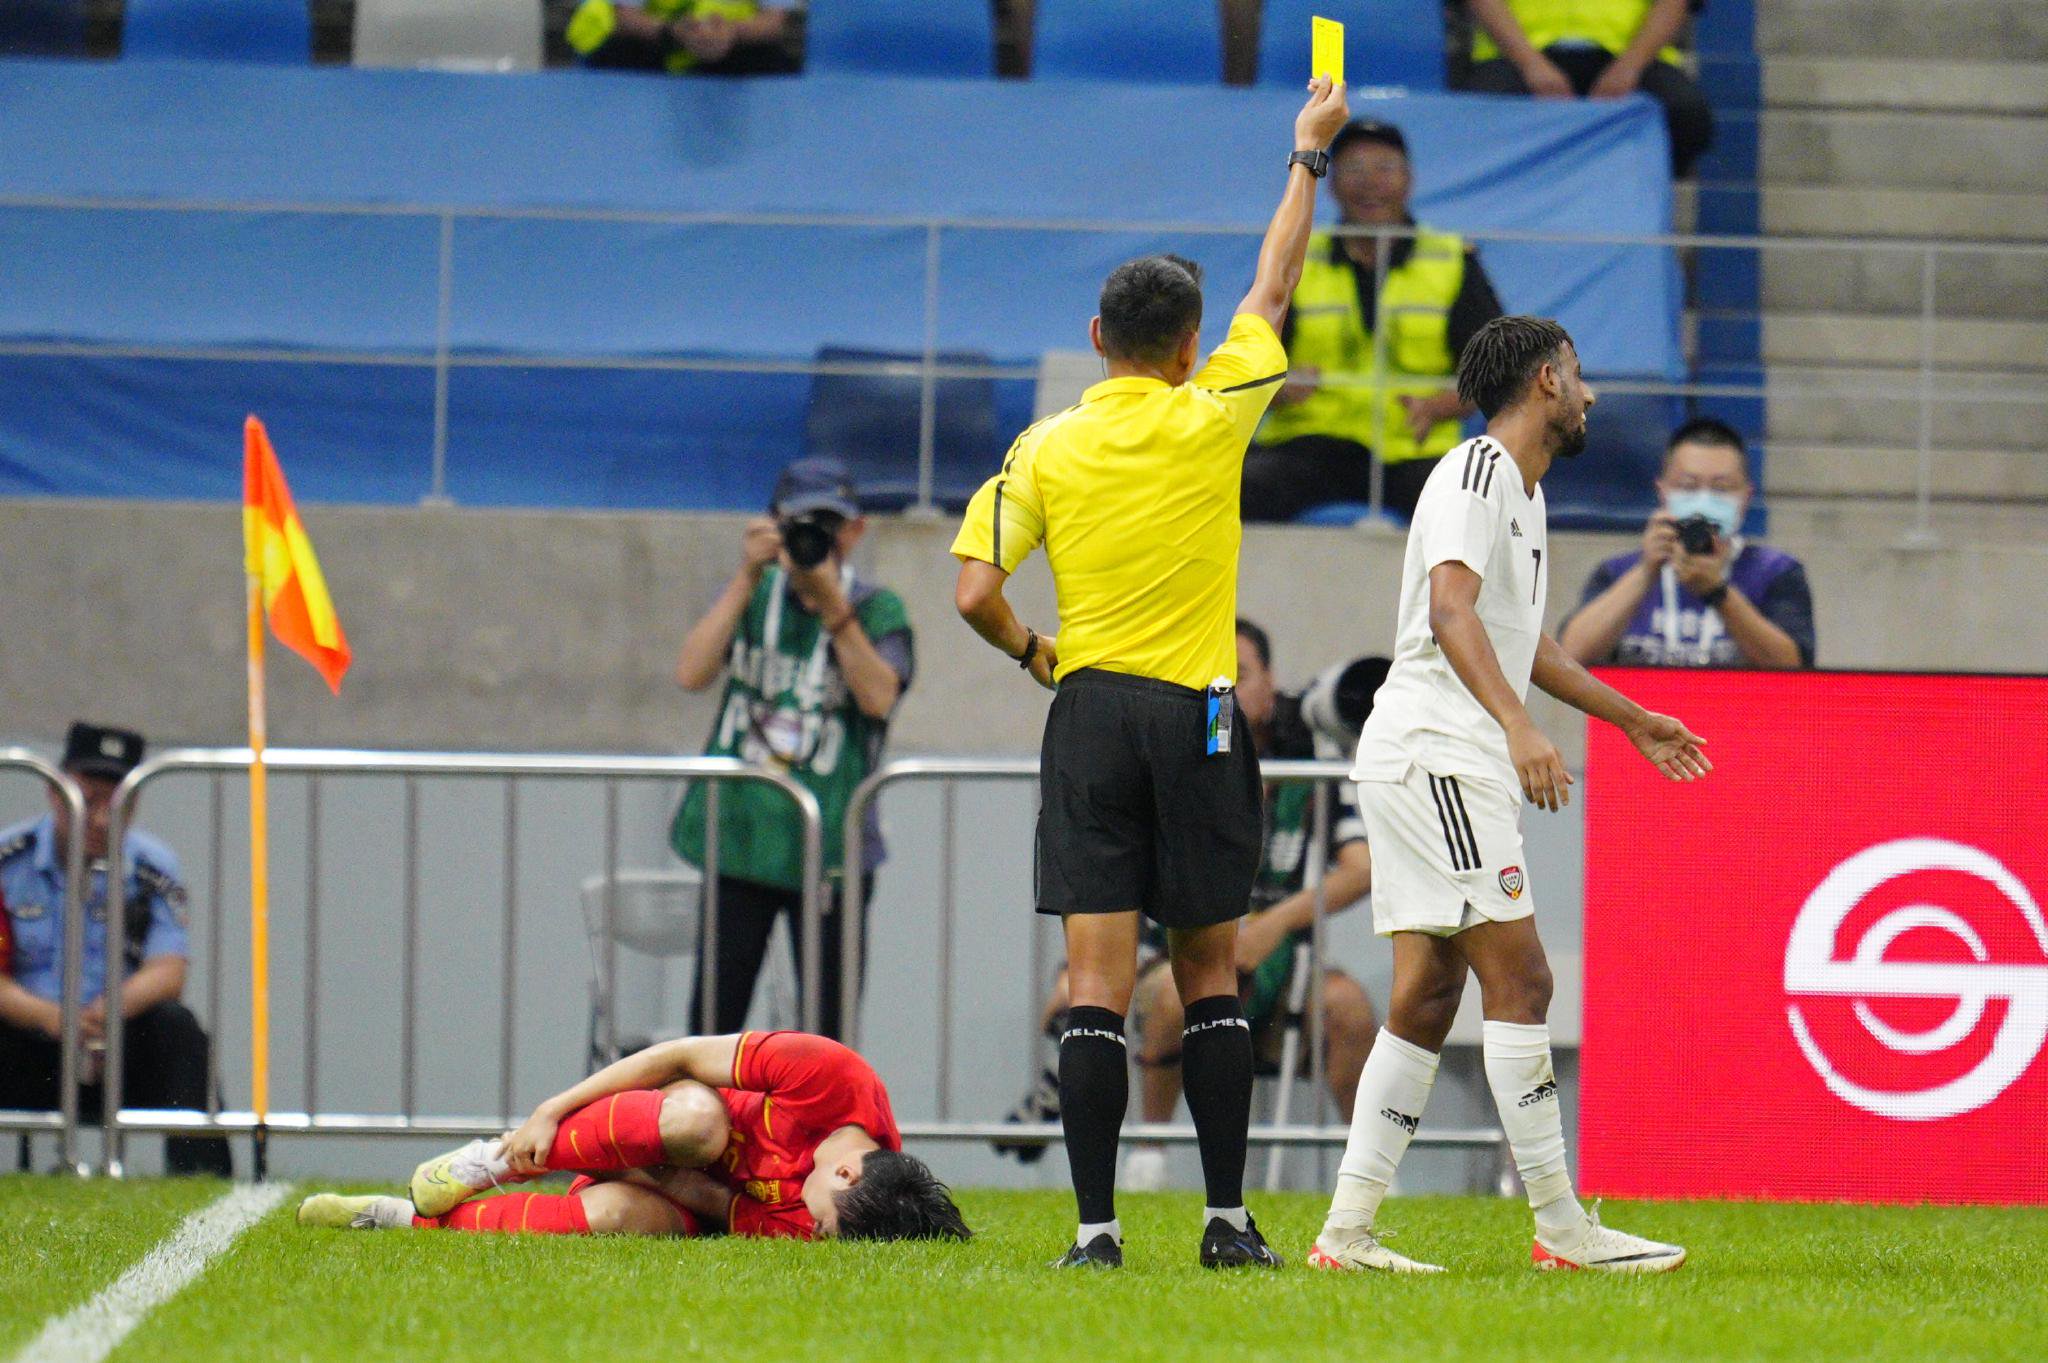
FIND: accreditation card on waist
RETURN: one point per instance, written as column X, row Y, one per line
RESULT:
column 1133, row 492
column 1473, row 510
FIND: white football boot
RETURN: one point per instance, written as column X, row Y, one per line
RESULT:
column 1346, row 1247
column 1599, row 1249
column 337, row 1212
column 447, row 1181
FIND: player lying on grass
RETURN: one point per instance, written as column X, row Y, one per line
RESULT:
column 764, row 1134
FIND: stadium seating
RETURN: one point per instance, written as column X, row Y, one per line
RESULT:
column 42, row 28
column 490, row 35
column 1387, row 42
column 224, row 30
column 901, row 37
column 1128, row 40
column 872, row 421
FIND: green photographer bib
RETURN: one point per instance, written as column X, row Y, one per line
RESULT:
column 786, row 705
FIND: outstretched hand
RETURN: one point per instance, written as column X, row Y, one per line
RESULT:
column 1670, row 747
column 1320, row 118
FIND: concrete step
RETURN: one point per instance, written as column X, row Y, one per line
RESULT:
column 2000, row 87
column 1955, row 343
column 1879, row 408
column 1940, row 213
column 1792, row 469
column 2000, row 154
column 1877, row 281
column 1884, row 523
column 1943, row 30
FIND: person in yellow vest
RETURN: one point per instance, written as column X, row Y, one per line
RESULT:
column 725, row 37
column 1332, row 416
column 1602, row 49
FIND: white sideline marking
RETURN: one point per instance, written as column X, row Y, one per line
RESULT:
column 90, row 1332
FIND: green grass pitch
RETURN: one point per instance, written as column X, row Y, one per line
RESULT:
column 1781, row 1282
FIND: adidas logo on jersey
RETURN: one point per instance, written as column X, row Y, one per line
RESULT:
column 1514, row 527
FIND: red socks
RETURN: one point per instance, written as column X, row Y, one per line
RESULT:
column 619, row 1132
column 536, row 1213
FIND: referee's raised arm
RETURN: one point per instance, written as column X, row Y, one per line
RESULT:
column 1286, row 244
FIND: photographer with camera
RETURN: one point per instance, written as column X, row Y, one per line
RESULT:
column 817, row 660
column 1697, row 594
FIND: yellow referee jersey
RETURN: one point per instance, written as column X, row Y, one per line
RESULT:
column 1134, row 493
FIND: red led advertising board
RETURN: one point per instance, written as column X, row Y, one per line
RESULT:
column 1821, row 972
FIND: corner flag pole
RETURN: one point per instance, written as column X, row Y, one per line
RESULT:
column 259, row 891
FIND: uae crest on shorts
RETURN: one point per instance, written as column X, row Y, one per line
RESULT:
column 1511, row 882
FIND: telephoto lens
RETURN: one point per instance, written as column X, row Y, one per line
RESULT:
column 809, row 537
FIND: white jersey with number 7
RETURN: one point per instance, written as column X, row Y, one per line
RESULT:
column 1474, row 510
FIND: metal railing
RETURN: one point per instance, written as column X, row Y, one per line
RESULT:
column 413, row 767
column 951, row 772
column 64, row 1121
column 443, row 357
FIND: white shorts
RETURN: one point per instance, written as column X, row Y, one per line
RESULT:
column 1446, row 853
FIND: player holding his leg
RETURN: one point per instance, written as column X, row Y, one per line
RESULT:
column 1444, row 763
column 764, row 1134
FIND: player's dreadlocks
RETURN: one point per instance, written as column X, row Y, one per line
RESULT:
column 899, row 1198
column 1501, row 360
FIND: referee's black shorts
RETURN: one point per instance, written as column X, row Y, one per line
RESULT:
column 1136, row 815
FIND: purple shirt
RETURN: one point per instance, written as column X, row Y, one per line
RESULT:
column 1673, row 628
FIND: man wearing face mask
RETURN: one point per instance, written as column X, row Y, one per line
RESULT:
column 1697, row 594
column 1351, row 394
column 815, row 661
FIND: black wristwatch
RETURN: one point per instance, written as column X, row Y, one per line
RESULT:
column 1318, row 162
column 1030, row 649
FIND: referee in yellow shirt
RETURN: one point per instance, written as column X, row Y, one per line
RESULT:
column 1151, row 795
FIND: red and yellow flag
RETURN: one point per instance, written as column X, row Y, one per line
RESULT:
column 280, row 558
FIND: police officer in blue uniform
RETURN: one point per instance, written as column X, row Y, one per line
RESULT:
column 164, row 1050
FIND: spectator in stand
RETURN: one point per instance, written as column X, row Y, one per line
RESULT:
column 1319, row 436
column 164, row 1050
column 1718, row 601
column 1604, row 49
column 815, row 660
column 713, row 37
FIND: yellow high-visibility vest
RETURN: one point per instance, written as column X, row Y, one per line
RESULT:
column 594, row 21
column 1359, row 393
column 1611, row 24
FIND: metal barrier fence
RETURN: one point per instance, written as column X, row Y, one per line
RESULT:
column 221, row 762
column 953, row 771
column 64, row 1121
column 1934, row 386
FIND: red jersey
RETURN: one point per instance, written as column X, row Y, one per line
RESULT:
column 791, row 1090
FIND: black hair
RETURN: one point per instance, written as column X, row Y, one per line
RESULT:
column 1148, row 307
column 1502, row 358
column 898, row 1198
column 1707, row 430
column 1256, row 637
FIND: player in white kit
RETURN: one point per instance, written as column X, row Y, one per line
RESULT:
column 1446, row 760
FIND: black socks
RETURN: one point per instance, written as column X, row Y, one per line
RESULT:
column 1095, row 1088
column 1216, row 1070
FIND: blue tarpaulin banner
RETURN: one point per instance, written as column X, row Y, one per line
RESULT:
column 355, row 294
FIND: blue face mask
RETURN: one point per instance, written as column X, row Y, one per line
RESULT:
column 1723, row 509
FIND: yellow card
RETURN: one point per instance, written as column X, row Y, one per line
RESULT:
column 1326, row 49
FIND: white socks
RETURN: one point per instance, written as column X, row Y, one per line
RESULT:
column 1392, row 1090
column 1525, row 1090
column 1090, row 1229
column 1235, row 1217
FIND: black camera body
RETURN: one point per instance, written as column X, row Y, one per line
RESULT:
column 809, row 536
column 1695, row 534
